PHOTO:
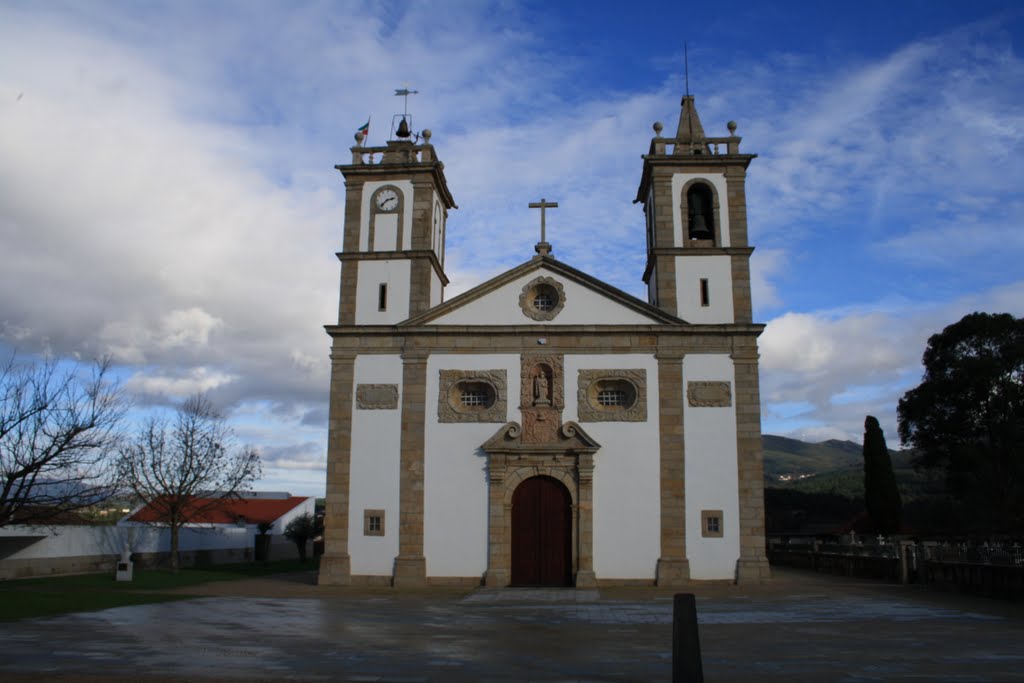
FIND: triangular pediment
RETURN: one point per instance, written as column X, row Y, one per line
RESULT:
column 544, row 291
column 570, row 438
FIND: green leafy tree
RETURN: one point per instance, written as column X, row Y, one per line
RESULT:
column 881, row 494
column 299, row 531
column 966, row 418
column 184, row 468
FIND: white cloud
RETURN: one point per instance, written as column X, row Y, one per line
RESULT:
column 178, row 386
column 166, row 190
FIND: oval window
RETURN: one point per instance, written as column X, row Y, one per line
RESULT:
column 612, row 394
column 471, row 396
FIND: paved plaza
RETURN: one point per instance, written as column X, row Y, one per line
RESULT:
column 801, row 627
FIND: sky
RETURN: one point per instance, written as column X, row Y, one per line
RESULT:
column 168, row 197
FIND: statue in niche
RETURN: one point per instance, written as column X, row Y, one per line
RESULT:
column 541, row 388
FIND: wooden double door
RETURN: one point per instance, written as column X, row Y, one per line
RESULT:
column 541, row 533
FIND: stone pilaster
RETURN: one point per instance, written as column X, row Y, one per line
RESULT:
column 664, row 238
column 335, row 565
column 410, row 564
column 585, row 523
column 498, row 542
column 350, row 245
column 673, row 567
column 752, row 566
column 742, row 308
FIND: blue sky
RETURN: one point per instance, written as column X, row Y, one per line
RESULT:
column 168, row 197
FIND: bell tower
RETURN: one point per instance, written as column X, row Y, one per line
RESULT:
column 396, row 209
column 692, row 192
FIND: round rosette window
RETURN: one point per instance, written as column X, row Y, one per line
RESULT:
column 542, row 299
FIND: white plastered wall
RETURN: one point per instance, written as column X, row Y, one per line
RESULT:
column 364, row 216
column 717, row 270
column 455, row 472
column 627, row 470
column 369, row 276
column 583, row 306
column 711, row 472
column 375, row 468
column 717, row 180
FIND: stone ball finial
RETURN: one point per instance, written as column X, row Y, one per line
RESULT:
column 658, row 128
column 360, row 136
column 426, row 135
column 732, row 127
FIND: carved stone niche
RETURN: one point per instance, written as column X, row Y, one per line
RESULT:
column 472, row 396
column 541, row 380
column 542, row 396
column 709, row 394
column 542, row 298
column 612, row 395
column 377, row 396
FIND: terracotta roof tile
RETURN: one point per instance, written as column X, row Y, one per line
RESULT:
column 253, row 510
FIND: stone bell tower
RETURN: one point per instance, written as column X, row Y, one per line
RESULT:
column 396, row 208
column 692, row 191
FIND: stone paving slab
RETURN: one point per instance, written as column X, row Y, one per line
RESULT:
column 802, row 627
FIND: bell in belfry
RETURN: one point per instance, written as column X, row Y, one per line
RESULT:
column 403, row 129
column 698, row 205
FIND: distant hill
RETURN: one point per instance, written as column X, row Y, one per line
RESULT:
column 832, row 467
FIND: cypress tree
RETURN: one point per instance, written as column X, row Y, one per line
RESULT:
column 881, row 495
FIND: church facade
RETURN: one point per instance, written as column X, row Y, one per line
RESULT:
column 544, row 427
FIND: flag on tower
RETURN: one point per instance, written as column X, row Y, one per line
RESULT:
column 365, row 129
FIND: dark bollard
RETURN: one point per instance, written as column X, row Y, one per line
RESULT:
column 686, row 661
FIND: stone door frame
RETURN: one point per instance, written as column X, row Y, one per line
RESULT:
column 510, row 463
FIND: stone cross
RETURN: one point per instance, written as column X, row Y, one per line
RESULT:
column 543, row 205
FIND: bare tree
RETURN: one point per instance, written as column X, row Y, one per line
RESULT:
column 187, row 467
column 58, row 428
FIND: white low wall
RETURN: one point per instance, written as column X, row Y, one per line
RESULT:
column 73, row 549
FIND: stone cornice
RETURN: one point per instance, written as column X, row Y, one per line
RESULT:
column 534, row 332
column 407, row 254
column 691, row 251
column 558, row 268
column 399, row 171
column 686, row 162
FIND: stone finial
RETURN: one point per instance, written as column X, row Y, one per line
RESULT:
column 426, row 133
column 658, row 128
column 360, row 136
column 732, row 128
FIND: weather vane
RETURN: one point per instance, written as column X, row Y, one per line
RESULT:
column 403, row 130
column 405, row 92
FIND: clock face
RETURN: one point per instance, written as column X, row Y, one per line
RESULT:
column 387, row 200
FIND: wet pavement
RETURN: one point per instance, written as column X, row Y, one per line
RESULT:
column 801, row 627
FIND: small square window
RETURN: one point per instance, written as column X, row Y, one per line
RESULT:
column 712, row 523
column 373, row 522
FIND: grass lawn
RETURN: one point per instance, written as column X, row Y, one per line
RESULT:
column 24, row 598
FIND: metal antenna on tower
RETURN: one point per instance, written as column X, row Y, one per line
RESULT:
column 686, row 68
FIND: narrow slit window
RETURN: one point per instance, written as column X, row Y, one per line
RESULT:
column 705, row 296
column 382, row 297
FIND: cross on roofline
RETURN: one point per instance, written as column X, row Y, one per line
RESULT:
column 543, row 205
